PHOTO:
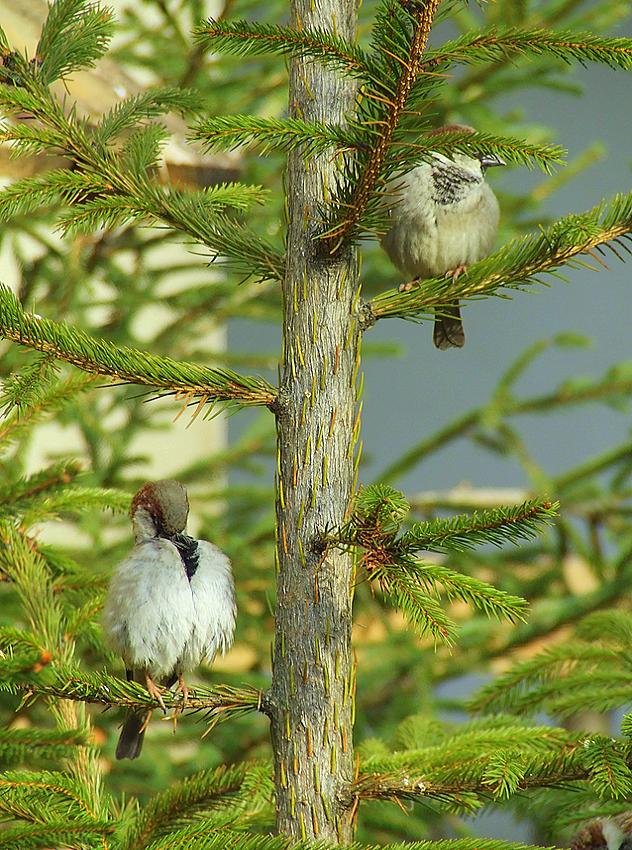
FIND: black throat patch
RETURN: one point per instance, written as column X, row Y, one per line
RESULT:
column 451, row 183
column 188, row 549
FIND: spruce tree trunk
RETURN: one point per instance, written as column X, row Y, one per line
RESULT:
column 312, row 692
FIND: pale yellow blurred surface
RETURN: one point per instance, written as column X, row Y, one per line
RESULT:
column 183, row 441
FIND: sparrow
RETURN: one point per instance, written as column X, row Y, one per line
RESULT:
column 445, row 216
column 611, row 833
column 170, row 603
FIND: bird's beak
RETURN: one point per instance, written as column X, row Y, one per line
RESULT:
column 491, row 161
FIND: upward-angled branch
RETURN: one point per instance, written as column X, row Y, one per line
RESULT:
column 496, row 526
column 186, row 381
column 520, row 262
column 373, row 165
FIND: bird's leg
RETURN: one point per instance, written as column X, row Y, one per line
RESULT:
column 181, row 689
column 154, row 691
column 448, row 328
column 456, row 272
column 406, row 287
column 145, row 722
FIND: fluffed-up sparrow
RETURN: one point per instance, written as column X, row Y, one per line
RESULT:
column 171, row 602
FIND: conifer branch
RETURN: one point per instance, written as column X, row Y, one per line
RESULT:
column 43, row 399
column 17, row 494
column 499, row 44
column 18, row 745
column 184, row 799
column 59, row 832
column 51, row 492
column 466, row 776
column 371, row 170
column 113, row 181
column 521, row 262
column 218, row 703
column 313, row 137
column 219, row 801
column 226, row 132
column 496, row 526
column 75, row 35
column 406, row 154
column 389, row 557
column 28, row 571
column 379, row 510
column 243, row 38
column 422, row 611
column 204, row 836
column 152, row 103
column 185, row 381
column 589, row 672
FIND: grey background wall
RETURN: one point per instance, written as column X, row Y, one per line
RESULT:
column 409, row 397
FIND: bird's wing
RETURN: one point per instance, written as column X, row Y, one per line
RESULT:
column 213, row 593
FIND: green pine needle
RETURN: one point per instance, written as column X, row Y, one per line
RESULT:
column 406, row 154
column 19, row 746
column 455, row 585
column 521, row 262
column 607, row 763
column 151, row 103
column 75, row 35
column 504, row 43
column 227, row 132
column 424, row 613
column 110, row 186
column 496, row 526
column 589, row 672
column 391, row 560
column 56, row 833
column 186, row 381
column 243, row 38
column 198, row 793
column 46, row 399
column 218, row 703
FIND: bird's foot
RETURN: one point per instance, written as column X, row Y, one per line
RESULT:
column 456, row 272
column 154, row 691
column 145, row 722
column 182, row 689
column 406, row 287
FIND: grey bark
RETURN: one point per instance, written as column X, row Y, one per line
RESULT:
column 313, row 685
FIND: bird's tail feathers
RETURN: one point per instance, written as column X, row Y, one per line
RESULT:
column 130, row 742
column 448, row 328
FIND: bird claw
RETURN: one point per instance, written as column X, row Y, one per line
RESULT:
column 406, row 287
column 145, row 722
column 456, row 272
column 182, row 689
column 154, row 691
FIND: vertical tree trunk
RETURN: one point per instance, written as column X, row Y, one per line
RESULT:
column 313, row 677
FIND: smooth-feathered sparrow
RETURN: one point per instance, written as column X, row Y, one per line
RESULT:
column 613, row 833
column 445, row 216
column 171, row 602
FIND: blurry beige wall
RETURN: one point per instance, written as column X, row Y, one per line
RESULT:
column 183, row 441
